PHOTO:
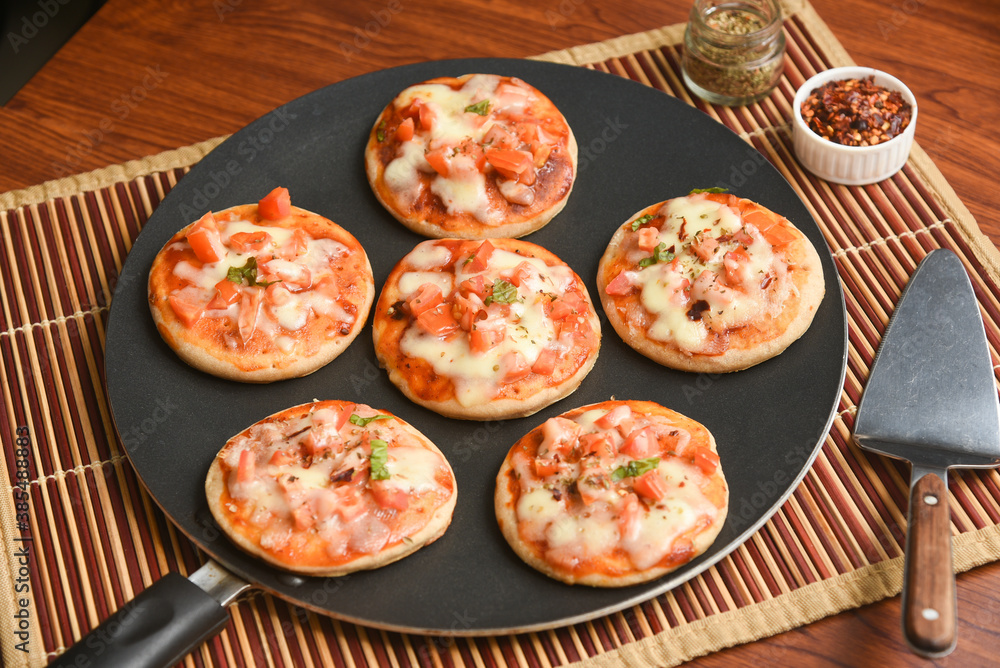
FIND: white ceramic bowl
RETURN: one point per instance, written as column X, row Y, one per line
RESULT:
column 851, row 165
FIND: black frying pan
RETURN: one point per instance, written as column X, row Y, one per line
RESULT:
column 638, row 146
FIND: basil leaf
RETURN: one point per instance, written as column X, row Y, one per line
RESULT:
column 715, row 190
column 482, row 108
column 363, row 421
column 503, row 293
column 248, row 273
column 379, row 459
column 660, row 254
column 635, row 468
column 639, row 222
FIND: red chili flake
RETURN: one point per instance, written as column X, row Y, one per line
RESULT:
column 856, row 112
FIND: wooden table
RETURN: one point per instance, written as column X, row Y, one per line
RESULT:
column 140, row 78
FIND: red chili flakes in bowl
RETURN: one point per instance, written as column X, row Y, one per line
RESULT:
column 856, row 112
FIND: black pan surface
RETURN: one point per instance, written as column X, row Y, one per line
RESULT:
column 638, row 146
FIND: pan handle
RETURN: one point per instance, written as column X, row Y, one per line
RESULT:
column 929, row 602
column 155, row 629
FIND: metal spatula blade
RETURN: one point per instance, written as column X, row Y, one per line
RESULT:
column 931, row 399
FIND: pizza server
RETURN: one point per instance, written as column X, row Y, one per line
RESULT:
column 931, row 399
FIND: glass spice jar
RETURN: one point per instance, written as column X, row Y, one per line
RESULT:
column 734, row 51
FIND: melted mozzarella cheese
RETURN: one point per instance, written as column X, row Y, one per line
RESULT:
column 662, row 291
column 594, row 530
column 410, row 282
column 319, row 259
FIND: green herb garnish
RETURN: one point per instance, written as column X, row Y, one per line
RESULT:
column 379, row 459
column 503, row 293
column 635, row 468
column 482, row 108
column 248, row 273
column 380, row 131
column 660, row 254
column 639, row 222
column 715, row 190
column 363, row 421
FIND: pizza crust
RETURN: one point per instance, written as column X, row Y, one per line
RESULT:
column 429, row 522
column 429, row 216
column 435, row 388
column 212, row 346
column 749, row 344
column 615, row 568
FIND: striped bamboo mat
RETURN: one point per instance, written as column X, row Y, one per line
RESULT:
column 82, row 536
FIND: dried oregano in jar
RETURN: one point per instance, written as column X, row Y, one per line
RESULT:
column 734, row 52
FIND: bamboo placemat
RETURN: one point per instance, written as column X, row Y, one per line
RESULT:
column 83, row 537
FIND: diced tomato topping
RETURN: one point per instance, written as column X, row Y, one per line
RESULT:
column 277, row 294
column 226, row 292
column 245, row 469
column 426, row 115
column 250, row 303
column 303, row 517
column 389, row 497
column 611, row 419
column 428, row 297
column 499, row 138
column 546, row 467
column 629, row 515
column 510, row 162
column 704, row 247
column 280, row 458
column 597, row 444
column 474, row 151
column 735, row 263
column 514, row 366
column 474, row 286
column 187, row 310
column 545, row 364
column 481, row 258
column 648, row 238
column 619, row 285
column 706, row 460
column 205, row 240
column 404, row 131
column 244, row 242
column 276, row 205
column 640, row 444
column 286, row 272
column 482, row 339
column 558, row 435
column 561, row 309
column 520, row 274
column 650, row 485
column 439, row 161
column 575, row 325
column 337, row 418
column 540, row 151
column 438, row 321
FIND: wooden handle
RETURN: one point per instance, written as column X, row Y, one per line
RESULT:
column 929, row 580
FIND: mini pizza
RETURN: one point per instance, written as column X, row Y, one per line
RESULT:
column 261, row 292
column 474, row 157
column 331, row 487
column 710, row 282
column 485, row 330
column 612, row 494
